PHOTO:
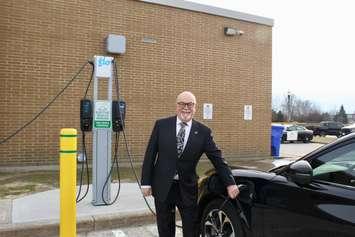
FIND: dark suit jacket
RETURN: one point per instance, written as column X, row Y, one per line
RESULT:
column 161, row 160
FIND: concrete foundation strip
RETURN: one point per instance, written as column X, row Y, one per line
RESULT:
column 84, row 224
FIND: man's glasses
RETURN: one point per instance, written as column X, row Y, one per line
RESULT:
column 189, row 105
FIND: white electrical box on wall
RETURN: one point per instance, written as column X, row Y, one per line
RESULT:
column 115, row 44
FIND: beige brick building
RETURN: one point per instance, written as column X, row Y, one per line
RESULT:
column 171, row 46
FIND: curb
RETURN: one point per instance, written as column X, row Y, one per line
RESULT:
column 84, row 224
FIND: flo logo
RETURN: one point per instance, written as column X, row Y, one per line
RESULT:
column 103, row 66
column 103, row 61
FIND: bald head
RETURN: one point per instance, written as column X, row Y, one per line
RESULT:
column 186, row 97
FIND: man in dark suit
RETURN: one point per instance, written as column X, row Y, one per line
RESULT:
column 169, row 168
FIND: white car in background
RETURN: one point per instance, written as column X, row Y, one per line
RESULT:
column 348, row 129
column 295, row 132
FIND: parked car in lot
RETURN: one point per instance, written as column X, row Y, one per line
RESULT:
column 348, row 129
column 313, row 196
column 327, row 128
column 296, row 133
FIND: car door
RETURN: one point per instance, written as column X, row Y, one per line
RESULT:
column 284, row 207
column 332, row 129
column 301, row 133
column 325, row 207
column 332, row 193
column 291, row 133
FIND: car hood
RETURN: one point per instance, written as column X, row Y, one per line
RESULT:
column 244, row 173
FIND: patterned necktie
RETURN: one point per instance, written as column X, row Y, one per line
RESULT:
column 180, row 139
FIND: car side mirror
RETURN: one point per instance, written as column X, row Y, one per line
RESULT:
column 300, row 172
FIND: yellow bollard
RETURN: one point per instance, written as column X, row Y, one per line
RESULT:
column 68, row 143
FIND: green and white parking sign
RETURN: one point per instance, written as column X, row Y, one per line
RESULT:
column 102, row 114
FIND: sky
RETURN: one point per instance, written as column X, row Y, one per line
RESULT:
column 313, row 48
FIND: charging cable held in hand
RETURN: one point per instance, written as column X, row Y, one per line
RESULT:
column 240, row 211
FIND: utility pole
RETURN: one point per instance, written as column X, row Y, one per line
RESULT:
column 288, row 106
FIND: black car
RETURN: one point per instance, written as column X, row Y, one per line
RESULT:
column 296, row 133
column 313, row 196
column 327, row 128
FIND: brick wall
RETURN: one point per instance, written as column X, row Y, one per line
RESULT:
column 44, row 43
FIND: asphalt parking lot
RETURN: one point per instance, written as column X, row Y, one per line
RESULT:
column 288, row 152
column 142, row 231
column 296, row 150
column 11, row 211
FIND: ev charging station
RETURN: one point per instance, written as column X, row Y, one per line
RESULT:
column 103, row 116
column 102, row 130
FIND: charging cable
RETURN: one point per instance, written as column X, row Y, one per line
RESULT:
column 78, row 198
column 134, row 172
column 46, row 107
column 241, row 187
column 85, row 157
column 115, row 161
column 240, row 211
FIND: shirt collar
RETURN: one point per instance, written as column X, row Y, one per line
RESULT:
column 178, row 121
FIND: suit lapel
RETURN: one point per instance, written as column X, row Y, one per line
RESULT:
column 172, row 135
column 191, row 138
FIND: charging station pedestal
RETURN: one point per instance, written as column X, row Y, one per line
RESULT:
column 102, row 130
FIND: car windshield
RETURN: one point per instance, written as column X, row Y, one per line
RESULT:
column 294, row 128
column 337, row 166
column 291, row 128
column 300, row 128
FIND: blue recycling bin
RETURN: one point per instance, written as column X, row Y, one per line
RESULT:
column 276, row 135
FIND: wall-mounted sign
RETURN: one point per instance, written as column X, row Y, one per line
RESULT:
column 248, row 112
column 149, row 40
column 207, row 111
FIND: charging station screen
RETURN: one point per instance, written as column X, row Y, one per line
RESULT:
column 102, row 114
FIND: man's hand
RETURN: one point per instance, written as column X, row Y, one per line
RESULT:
column 233, row 191
column 147, row 191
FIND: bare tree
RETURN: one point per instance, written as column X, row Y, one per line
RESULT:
column 300, row 110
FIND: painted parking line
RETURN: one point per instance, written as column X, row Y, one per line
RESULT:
column 118, row 233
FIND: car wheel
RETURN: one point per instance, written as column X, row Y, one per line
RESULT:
column 220, row 220
column 306, row 140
